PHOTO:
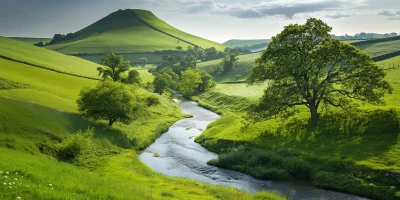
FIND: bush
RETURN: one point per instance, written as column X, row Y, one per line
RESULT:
column 152, row 101
column 298, row 168
column 270, row 173
column 74, row 145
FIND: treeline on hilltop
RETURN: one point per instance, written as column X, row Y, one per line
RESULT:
column 57, row 38
column 364, row 36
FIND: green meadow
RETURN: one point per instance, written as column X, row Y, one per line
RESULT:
column 38, row 111
column 151, row 34
column 242, row 68
column 45, row 58
column 31, row 40
column 380, row 47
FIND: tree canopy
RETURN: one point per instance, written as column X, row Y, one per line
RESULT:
column 110, row 101
column 190, row 81
column 303, row 65
column 114, row 66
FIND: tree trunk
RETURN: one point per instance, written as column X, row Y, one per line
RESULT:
column 110, row 122
column 314, row 111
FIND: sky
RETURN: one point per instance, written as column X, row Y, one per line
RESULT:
column 218, row 20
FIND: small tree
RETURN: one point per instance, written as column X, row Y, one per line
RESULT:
column 207, row 82
column 190, row 81
column 303, row 65
column 144, row 61
column 134, row 77
column 179, row 48
column 228, row 62
column 114, row 66
column 164, row 79
column 110, row 101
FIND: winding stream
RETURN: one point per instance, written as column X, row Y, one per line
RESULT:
column 180, row 156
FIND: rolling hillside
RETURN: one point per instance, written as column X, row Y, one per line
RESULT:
column 380, row 47
column 242, row 67
column 128, row 31
column 31, row 40
column 252, row 45
column 38, row 111
column 40, row 57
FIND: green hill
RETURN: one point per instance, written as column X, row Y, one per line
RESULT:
column 380, row 47
column 127, row 31
column 45, row 58
column 242, row 43
column 31, row 40
column 242, row 68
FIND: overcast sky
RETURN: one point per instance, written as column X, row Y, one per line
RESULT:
column 218, row 20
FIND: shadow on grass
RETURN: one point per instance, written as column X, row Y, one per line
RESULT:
column 364, row 135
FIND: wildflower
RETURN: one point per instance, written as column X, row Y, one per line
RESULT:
column 16, row 179
column 4, row 183
column 13, row 183
column 7, row 173
column 1, row 172
column 6, row 177
column 16, row 173
column 18, row 198
column 51, row 185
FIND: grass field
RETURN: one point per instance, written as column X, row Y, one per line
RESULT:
column 38, row 111
column 134, row 58
column 351, row 41
column 380, row 47
column 127, row 31
column 31, row 40
column 243, row 68
column 370, row 142
column 146, row 75
column 46, row 58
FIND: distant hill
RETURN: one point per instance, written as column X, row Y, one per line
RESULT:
column 130, row 31
column 380, row 49
column 31, row 40
column 252, row 45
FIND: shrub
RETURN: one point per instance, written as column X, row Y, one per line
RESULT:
column 74, row 145
column 270, row 173
column 298, row 168
column 152, row 101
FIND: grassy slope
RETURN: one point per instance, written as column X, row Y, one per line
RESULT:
column 31, row 40
column 124, row 32
column 38, row 109
column 151, row 19
column 242, row 43
column 379, row 48
column 243, row 68
column 49, row 59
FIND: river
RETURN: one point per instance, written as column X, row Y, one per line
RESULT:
column 180, row 156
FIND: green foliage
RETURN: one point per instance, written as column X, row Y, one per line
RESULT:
column 133, row 78
column 305, row 66
column 74, row 145
column 228, row 62
column 207, row 82
column 164, row 80
column 190, row 81
column 152, row 100
column 144, row 61
column 115, row 66
column 110, row 101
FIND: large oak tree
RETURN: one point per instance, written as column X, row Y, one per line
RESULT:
column 304, row 65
